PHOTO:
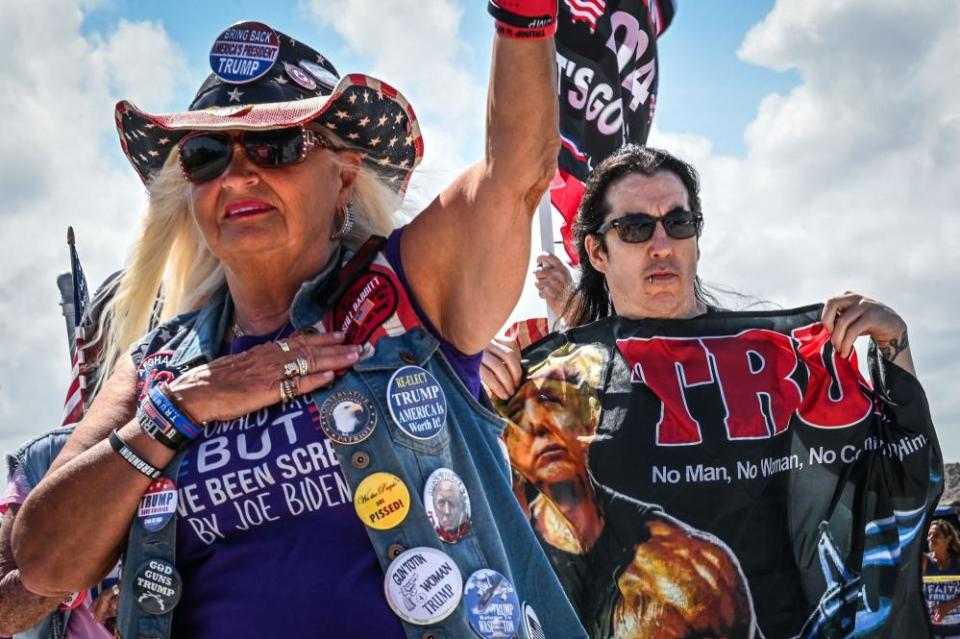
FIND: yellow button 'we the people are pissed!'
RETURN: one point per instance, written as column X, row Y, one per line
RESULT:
column 382, row 501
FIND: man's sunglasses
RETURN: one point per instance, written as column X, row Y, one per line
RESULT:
column 634, row 228
column 206, row 155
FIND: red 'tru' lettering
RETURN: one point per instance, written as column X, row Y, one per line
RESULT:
column 754, row 369
column 835, row 397
column 668, row 366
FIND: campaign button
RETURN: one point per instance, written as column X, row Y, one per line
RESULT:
column 157, row 504
column 382, row 501
column 157, row 587
column 423, row 586
column 73, row 600
column 300, row 76
column 493, row 608
column 348, row 417
column 320, row 74
column 244, row 52
column 417, row 403
column 448, row 505
column 531, row 623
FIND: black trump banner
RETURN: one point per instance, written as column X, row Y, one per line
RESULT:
column 607, row 85
column 727, row 475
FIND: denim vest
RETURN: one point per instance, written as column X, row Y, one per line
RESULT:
column 34, row 459
column 500, row 537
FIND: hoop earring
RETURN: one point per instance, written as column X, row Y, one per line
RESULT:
column 347, row 214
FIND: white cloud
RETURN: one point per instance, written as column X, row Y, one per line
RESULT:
column 60, row 165
column 420, row 50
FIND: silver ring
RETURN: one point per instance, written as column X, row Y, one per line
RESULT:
column 288, row 389
column 283, row 346
column 116, row 590
column 303, row 366
column 291, row 369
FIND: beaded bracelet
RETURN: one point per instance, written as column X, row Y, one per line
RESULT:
column 135, row 460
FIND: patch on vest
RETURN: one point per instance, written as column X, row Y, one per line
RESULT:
column 366, row 305
column 154, row 369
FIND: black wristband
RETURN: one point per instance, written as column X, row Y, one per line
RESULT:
column 516, row 20
column 132, row 458
column 157, row 427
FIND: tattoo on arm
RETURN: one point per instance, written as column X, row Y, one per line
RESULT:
column 894, row 347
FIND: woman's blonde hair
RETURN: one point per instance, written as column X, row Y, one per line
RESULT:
column 171, row 270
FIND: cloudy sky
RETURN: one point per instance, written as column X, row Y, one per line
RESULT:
column 827, row 133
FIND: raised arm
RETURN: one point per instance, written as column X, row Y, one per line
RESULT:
column 466, row 254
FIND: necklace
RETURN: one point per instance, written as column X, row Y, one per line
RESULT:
column 239, row 332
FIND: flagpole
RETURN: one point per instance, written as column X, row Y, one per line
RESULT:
column 65, row 284
column 545, row 213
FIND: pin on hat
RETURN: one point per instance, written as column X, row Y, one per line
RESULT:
column 300, row 76
column 319, row 73
column 493, row 608
column 382, row 501
column 348, row 417
column 447, row 503
column 264, row 79
column 423, row 586
column 417, row 402
column 244, row 52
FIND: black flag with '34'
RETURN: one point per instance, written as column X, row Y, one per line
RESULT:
column 607, row 81
column 726, row 476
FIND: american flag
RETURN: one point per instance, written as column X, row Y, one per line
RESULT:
column 588, row 11
column 77, row 392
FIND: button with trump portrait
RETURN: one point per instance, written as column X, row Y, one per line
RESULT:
column 493, row 608
column 382, row 501
column 157, row 504
column 157, row 587
column 244, row 52
column 348, row 417
column 447, row 503
column 423, row 586
column 416, row 402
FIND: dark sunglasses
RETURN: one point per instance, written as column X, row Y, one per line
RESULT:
column 206, row 155
column 634, row 228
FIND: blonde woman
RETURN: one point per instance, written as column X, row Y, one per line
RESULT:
column 211, row 454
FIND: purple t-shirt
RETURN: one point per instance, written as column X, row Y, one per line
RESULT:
column 268, row 542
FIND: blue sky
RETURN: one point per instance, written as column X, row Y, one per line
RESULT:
column 704, row 88
column 808, row 174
